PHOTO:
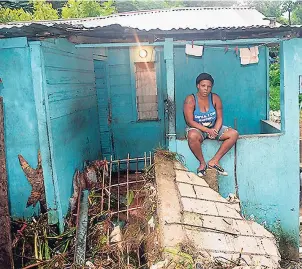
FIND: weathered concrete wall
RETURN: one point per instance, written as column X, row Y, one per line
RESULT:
column 189, row 210
column 238, row 86
column 267, row 165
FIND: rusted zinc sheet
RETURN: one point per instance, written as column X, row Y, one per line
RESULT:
column 6, row 256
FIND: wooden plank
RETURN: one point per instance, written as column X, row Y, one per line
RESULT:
column 6, row 255
column 18, row 42
column 82, row 225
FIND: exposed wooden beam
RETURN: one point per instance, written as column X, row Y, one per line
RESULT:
column 6, row 255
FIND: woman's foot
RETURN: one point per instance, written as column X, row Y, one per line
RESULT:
column 215, row 165
column 201, row 170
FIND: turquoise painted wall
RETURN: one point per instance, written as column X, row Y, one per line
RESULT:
column 101, row 73
column 267, row 164
column 72, row 112
column 20, row 121
column 128, row 134
column 240, row 87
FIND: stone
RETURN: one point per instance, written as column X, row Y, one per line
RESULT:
column 259, row 230
column 179, row 166
column 248, row 244
column 199, row 206
column 208, row 194
column 224, row 210
column 243, row 227
column 209, row 240
column 190, row 178
column 189, row 210
column 186, row 190
column 269, row 245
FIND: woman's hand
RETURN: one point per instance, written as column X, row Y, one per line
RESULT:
column 212, row 133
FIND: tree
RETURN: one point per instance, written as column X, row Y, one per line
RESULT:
column 267, row 8
column 43, row 11
column 40, row 11
column 297, row 14
column 8, row 15
column 210, row 3
column 84, row 8
column 134, row 5
column 289, row 7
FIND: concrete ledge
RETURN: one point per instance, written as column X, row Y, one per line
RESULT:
column 189, row 209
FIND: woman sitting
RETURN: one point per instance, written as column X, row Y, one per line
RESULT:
column 203, row 114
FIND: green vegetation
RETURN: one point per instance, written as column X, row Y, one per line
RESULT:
column 286, row 12
column 274, row 91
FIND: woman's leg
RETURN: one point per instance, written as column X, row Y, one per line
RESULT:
column 229, row 138
column 194, row 140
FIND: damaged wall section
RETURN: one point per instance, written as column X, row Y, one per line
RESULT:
column 267, row 165
column 20, row 129
column 72, row 114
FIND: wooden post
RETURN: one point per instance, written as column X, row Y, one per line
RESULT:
column 6, row 255
column 171, row 117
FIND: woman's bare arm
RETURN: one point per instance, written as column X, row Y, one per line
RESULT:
column 218, row 106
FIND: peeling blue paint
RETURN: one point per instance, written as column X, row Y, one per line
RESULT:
column 20, row 121
column 267, row 164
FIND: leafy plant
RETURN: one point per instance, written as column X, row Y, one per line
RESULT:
column 274, row 92
column 84, row 8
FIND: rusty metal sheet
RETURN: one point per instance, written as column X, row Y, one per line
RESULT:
column 6, row 256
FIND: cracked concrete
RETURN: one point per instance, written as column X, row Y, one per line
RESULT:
column 189, row 209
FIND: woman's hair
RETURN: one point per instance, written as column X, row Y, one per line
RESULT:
column 204, row 76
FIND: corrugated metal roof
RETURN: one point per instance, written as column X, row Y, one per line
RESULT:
column 177, row 18
column 170, row 22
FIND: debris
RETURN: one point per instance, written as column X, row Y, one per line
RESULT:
column 160, row 265
column 275, row 116
column 151, row 224
column 81, row 234
column 36, row 180
column 90, row 265
column 115, row 235
column 88, row 179
column 114, row 239
column 232, row 198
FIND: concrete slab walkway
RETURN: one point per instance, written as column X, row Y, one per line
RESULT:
column 189, row 209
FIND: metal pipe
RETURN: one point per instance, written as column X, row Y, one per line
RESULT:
column 110, row 178
column 109, row 197
column 127, row 186
column 125, row 183
column 128, row 157
column 130, row 160
column 235, row 162
column 118, row 189
column 136, row 186
column 103, row 187
column 125, row 210
column 150, row 158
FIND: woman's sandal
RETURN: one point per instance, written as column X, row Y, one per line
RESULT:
column 219, row 169
column 202, row 172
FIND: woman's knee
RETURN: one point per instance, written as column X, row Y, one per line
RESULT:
column 234, row 134
column 194, row 137
column 230, row 134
